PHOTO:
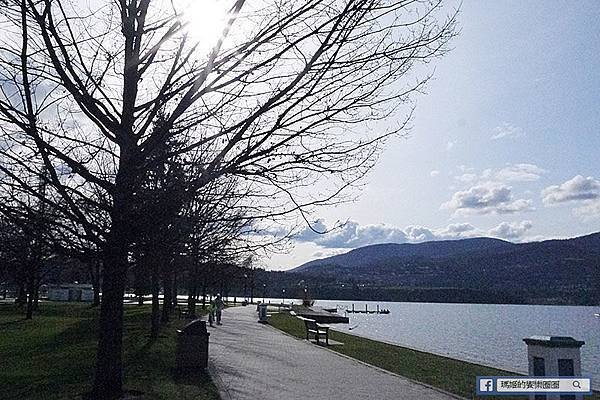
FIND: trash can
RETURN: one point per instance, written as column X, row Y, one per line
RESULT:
column 191, row 351
column 554, row 356
column 262, row 313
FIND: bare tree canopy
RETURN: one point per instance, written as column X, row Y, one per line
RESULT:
column 288, row 94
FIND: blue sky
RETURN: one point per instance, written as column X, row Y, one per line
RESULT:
column 505, row 143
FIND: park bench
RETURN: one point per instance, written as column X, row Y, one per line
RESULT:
column 317, row 330
column 183, row 312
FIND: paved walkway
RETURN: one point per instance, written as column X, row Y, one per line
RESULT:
column 252, row 361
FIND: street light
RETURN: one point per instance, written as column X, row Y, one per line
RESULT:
column 246, row 288
column 264, row 289
column 283, row 299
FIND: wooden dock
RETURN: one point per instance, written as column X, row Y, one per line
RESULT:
column 367, row 311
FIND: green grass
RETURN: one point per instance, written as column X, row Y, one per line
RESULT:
column 448, row 374
column 53, row 355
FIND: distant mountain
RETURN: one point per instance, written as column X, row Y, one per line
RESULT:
column 569, row 267
column 378, row 254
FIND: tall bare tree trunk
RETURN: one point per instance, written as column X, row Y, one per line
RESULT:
column 36, row 296
column 175, row 290
column 192, row 294
column 167, row 295
column 108, row 382
column 204, row 293
column 109, row 370
column 95, row 273
column 30, row 290
column 155, row 319
column 21, row 294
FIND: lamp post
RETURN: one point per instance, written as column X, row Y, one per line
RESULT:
column 246, row 288
column 264, row 290
column 283, row 296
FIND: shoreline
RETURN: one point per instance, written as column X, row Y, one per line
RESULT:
column 595, row 384
column 597, row 306
column 440, row 371
column 475, row 362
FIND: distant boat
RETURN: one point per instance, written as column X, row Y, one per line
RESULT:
column 597, row 315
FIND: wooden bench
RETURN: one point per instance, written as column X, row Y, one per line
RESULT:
column 317, row 330
column 183, row 312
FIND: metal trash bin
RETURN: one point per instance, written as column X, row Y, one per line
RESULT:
column 192, row 346
column 262, row 313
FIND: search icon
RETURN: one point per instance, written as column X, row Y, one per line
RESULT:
column 577, row 384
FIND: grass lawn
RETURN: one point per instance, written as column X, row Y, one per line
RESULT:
column 53, row 355
column 452, row 375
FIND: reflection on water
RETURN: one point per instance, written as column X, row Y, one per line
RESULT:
column 488, row 334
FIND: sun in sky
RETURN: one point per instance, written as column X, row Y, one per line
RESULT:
column 204, row 21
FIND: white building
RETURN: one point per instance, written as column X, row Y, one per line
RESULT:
column 71, row 292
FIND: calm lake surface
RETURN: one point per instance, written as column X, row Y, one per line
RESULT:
column 489, row 334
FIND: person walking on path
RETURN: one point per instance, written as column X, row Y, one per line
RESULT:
column 212, row 308
column 220, row 305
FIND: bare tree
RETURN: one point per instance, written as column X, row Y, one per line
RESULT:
column 289, row 95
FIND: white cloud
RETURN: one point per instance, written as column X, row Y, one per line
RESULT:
column 324, row 253
column 466, row 178
column 309, row 233
column 459, row 228
column 416, row 233
column 511, row 230
column 352, row 235
column 522, row 172
column 489, row 198
column 589, row 211
column 487, row 174
column 576, row 189
column 507, row 130
column 579, row 190
column 464, row 168
column 519, row 173
column 434, row 173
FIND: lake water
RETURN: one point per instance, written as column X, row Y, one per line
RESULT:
column 488, row 334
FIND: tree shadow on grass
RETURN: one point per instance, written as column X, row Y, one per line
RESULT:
column 47, row 368
column 22, row 387
column 13, row 322
column 141, row 352
column 192, row 377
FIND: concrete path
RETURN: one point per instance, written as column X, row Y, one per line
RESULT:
column 253, row 361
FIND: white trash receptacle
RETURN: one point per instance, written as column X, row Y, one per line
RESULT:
column 262, row 313
column 554, row 356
